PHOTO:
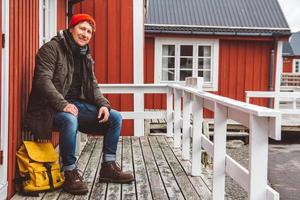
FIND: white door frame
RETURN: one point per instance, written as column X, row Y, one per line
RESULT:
column 294, row 66
column 4, row 100
column 50, row 21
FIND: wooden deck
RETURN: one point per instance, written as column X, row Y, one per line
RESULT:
column 159, row 171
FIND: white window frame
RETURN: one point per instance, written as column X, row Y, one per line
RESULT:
column 214, row 43
column 47, row 25
column 294, row 66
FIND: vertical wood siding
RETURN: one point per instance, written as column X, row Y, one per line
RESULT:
column 1, row 68
column 112, row 48
column 287, row 64
column 152, row 101
column 23, row 46
column 243, row 65
column 24, row 18
column 61, row 14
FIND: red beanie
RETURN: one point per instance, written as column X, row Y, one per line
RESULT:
column 81, row 18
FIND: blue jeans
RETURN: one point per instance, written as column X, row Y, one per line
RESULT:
column 87, row 122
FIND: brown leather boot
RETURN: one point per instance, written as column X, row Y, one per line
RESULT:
column 111, row 173
column 74, row 183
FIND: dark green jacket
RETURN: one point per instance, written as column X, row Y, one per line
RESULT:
column 51, row 82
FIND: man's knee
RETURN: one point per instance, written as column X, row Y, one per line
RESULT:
column 115, row 117
column 67, row 120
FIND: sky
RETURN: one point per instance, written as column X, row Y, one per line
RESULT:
column 291, row 9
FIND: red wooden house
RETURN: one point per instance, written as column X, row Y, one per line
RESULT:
column 234, row 45
column 229, row 43
column 291, row 54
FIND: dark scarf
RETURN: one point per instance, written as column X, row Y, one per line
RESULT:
column 76, row 49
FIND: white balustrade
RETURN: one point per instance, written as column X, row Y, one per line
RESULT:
column 262, row 123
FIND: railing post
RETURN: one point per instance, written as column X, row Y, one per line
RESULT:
column 186, row 125
column 197, row 132
column 220, row 125
column 138, row 107
column 177, row 112
column 170, row 131
column 294, row 101
column 258, row 155
column 276, row 100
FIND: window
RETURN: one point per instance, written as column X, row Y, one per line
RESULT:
column 176, row 59
column 47, row 20
column 296, row 66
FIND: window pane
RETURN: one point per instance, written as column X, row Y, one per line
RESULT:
column 186, row 63
column 168, row 74
column 185, row 73
column 168, row 62
column 186, row 50
column 204, row 51
column 297, row 69
column 168, row 50
column 204, row 63
column 206, row 77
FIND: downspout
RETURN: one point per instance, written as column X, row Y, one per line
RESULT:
column 272, row 70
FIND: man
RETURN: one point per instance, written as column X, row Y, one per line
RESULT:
column 65, row 94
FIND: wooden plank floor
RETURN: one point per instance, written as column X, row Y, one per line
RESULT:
column 159, row 171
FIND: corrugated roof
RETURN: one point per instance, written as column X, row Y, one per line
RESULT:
column 295, row 43
column 287, row 49
column 190, row 16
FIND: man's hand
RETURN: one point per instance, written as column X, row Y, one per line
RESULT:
column 103, row 114
column 71, row 108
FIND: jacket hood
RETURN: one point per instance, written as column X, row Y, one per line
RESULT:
column 60, row 38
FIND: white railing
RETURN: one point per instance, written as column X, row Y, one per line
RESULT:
column 290, row 79
column 262, row 123
column 285, row 102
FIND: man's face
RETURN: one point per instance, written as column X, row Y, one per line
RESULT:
column 82, row 33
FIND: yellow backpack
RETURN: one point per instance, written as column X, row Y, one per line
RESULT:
column 39, row 169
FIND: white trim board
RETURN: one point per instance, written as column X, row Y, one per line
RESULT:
column 138, row 61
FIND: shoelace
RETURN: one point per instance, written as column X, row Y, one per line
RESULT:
column 77, row 175
column 117, row 166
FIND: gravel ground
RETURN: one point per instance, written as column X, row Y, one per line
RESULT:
column 239, row 152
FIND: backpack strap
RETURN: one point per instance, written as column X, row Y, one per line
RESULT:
column 48, row 167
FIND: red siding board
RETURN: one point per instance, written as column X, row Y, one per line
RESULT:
column 101, row 40
column 61, row 14
column 113, row 53
column 126, row 61
column 149, row 69
column 0, row 65
column 240, row 73
column 287, row 64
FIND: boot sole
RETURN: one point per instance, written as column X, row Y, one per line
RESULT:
column 109, row 180
column 77, row 192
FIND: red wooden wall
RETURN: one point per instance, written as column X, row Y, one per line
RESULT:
column 24, row 30
column 23, row 35
column 288, row 63
column 112, row 47
column 0, row 66
column 243, row 65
